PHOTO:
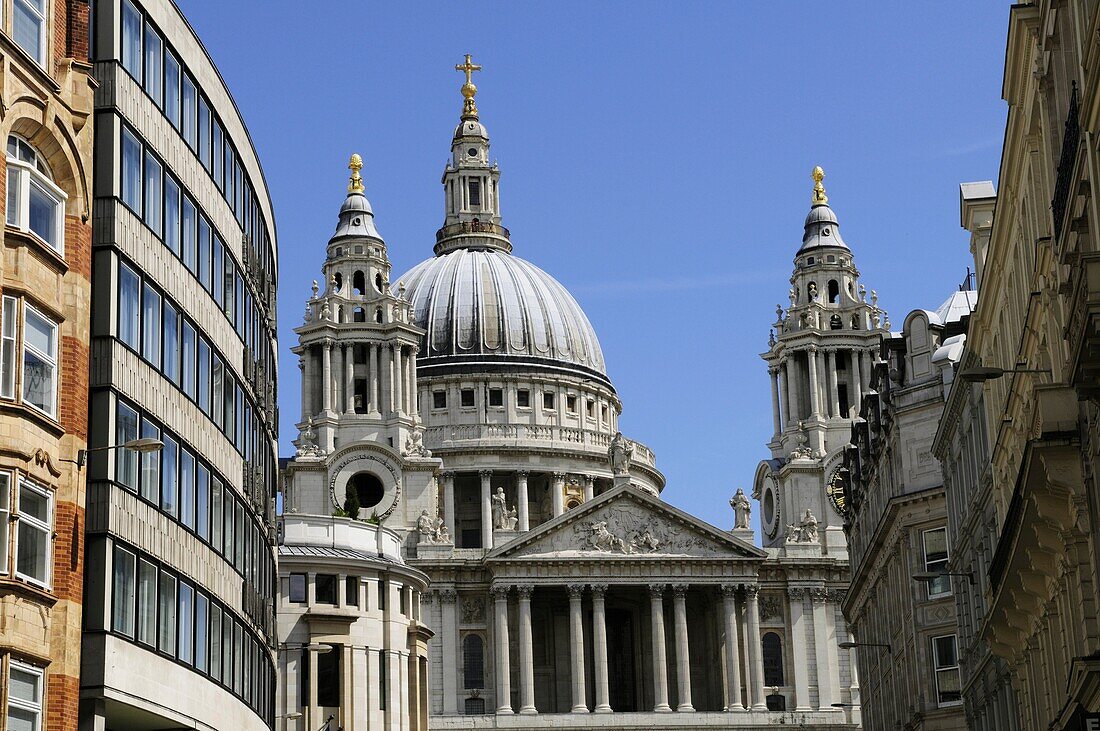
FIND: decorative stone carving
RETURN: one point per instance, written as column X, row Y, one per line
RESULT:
column 742, row 509
column 307, row 445
column 500, row 510
column 414, row 445
column 729, row 590
column 804, row 531
column 802, row 451
column 432, row 531
column 796, row 593
column 499, row 592
column 751, row 591
column 770, row 607
column 619, row 454
column 326, row 315
column 575, row 590
column 448, row 596
column 601, row 539
column 598, row 589
column 819, row 595
column 680, row 589
column 473, row 610
column 657, row 592
column 524, row 591
column 441, row 534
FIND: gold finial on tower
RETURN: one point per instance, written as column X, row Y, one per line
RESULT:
column 469, row 91
column 355, row 185
column 819, row 198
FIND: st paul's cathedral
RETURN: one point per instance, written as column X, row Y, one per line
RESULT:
column 468, row 541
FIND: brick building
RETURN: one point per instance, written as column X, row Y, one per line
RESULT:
column 46, row 121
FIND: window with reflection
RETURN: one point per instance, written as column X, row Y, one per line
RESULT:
column 35, row 203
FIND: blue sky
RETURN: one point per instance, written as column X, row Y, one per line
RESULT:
column 655, row 159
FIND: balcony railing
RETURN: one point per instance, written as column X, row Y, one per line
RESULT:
column 1070, row 141
column 533, row 435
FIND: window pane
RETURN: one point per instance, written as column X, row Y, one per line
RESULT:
column 187, row 489
column 126, row 460
column 27, row 24
column 169, row 487
column 150, row 342
column 7, row 347
column 43, row 214
column 147, row 603
column 188, row 223
column 204, row 133
column 189, row 105
column 129, row 314
column 202, row 502
column 227, row 649
column 150, row 462
column 131, row 39
column 131, row 170
column 219, row 261
column 33, row 555
column 203, row 376
column 171, row 343
column 153, row 202
column 39, row 361
column 187, row 356
column 25, row 686
column 15, row 175
column 122, row 597
column 167, row 605
column 186, row 640
column 172, row 214
column 215, row 642
column 218, row 158
column 172, row 88
column 201, row 627
column 297, row 588
column 217, row 396
column 204, row 253
column 154, row 50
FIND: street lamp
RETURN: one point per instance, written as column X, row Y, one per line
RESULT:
column 850, row 645
column 981, row 374
column 143, row 445
column 933, row 575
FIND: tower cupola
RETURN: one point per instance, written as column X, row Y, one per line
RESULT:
column 471, row 182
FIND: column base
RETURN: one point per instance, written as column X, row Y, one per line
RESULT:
column 579, row 709
column 662, row 708
column 685, row 708
column 603, row 709
column 528, row 711
column 806, row 709
column 763, row 707
column 505, row 711
column 734, row 708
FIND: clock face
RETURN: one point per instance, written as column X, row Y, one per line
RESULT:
column 835, row 490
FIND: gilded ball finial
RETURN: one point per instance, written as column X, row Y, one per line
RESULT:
column 819, row 198
column 469, row 91
column 355, row 184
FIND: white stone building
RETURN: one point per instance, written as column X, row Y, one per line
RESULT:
column 467, row 409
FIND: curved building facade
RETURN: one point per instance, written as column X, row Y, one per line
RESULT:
column 181, row 571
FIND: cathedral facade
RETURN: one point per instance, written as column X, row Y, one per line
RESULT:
column 469, row 541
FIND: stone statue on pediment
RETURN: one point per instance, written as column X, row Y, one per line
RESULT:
column 619, row 454
column 804, row 531
column 742, row 509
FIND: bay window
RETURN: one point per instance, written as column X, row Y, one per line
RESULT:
column 150, row 345
column 151, row 462
column 186, row 506
column 39, row 361
column 131, row 170
column 123, row 592
column 129, row 306
column 154, row 177
column 7, row 346
column 186, row 639
column 35, row 203
column 166, row 603
column 34, row 534
column 126, row 460
column 147, row 603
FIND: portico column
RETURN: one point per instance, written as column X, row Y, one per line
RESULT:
column 589, row 487
column 314, row 715
column 372, row 376
column 733, row 652
column 396, row 368
column 857, row 388
column 521, row 500
column 777, row 421
column 410, row 381
column 660, row 669
column 683, row 653
column 526, row 653
column 500, row 643
column 557, row 497
column 326, row 376
column 599, row 646
column 789, row 401
column 826, row 693
column 349, row 378
column 447, row 599
column 576, row 647
column 865, row 367
column 486, row 509
column 815, row 401
column 830, row 378
column 853, row 667
column 752, row 642
column 449, row 504
column 797, row 596
column 306, row 384
column 385, row 364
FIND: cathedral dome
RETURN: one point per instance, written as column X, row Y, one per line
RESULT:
column 486, row 306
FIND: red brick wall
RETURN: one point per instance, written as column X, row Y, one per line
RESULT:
column 63, row 702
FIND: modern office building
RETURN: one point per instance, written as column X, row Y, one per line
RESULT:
column 180, row 575
column 45, row 268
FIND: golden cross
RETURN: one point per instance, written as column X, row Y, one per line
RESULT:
column 469, row 68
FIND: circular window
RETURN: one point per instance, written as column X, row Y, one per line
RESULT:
column 769, row 502
column 472, row 152
column 356, row 221
column 368, row 489
column 824, row 232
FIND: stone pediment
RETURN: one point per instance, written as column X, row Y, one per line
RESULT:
column 625, row 523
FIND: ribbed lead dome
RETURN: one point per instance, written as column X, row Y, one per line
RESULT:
column 489, row 303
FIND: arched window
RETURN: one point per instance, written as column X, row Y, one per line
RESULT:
column 473, row 662
column 835, row 323
column 359, row 315
column 359, row 284
column 378, row 315
column 337, row 281
column 378, row 281
column 773, row 659
column 35, row 204
column 834, row 291
column 855, row 322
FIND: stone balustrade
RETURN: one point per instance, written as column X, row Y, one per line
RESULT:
column 530, row 435
column 333, row 532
